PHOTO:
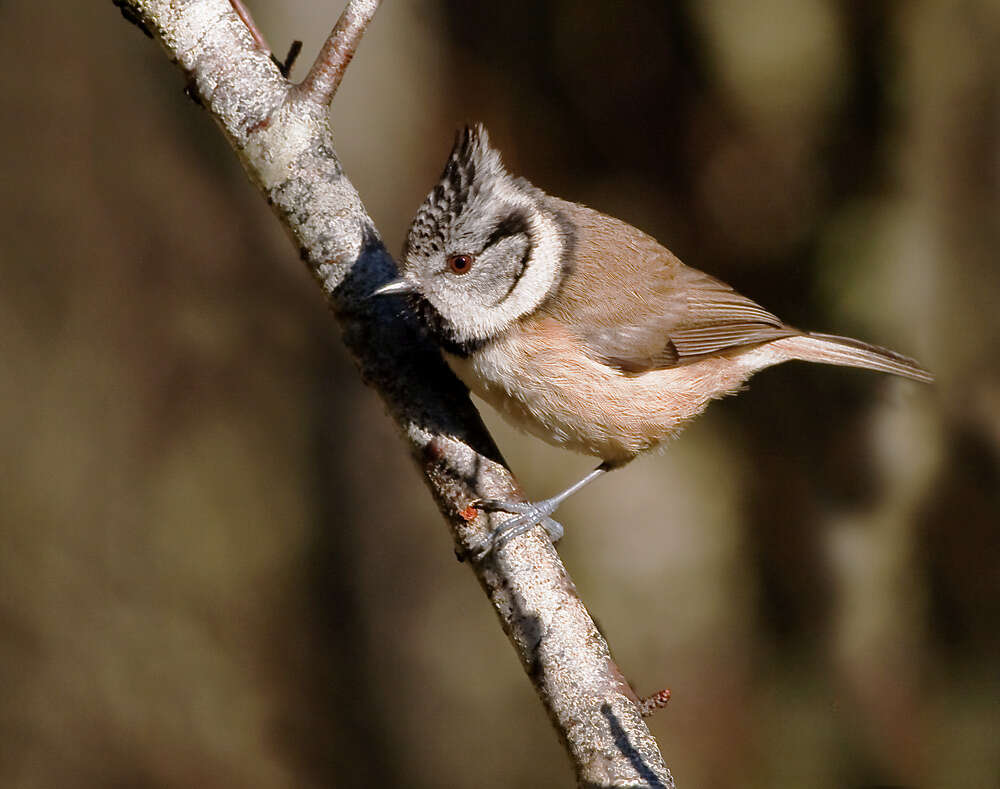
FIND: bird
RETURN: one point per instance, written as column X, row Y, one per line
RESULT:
column 579, row 328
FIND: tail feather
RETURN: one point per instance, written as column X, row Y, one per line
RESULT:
column 831, row 349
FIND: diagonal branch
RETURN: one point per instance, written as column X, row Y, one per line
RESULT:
column 282, row 136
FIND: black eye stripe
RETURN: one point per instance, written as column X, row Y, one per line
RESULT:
column 514, row 224
column 517, row 276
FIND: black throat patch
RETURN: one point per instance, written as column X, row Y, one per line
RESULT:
column 440, row 330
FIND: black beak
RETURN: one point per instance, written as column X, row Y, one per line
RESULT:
column 398, row 285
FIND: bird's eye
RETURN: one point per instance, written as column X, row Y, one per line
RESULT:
column 460, row 264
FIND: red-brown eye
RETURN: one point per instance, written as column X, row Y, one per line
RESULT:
column 460, row 264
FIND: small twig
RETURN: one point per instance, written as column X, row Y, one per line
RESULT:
column 132, row 16
column 285, row 66
column 243, row 13
column 650, row 704
column 324, row 77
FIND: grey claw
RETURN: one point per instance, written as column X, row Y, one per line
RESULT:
column 554, row 528
column 480, row 551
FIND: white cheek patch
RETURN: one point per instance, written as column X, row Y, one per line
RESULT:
column 536, row 281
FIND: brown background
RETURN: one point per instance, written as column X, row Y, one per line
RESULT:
column 217, row 566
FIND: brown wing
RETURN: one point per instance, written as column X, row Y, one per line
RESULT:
column 660, row 312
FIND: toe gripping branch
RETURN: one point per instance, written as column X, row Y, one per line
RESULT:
column 527, row 515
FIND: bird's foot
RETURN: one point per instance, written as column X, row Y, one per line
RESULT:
column 527, row 515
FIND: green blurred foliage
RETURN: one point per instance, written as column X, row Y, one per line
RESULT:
column 217, row 565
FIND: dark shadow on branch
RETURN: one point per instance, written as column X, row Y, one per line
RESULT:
column 437, row 401
column 630, row 753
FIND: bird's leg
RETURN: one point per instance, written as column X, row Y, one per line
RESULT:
column 531, row 514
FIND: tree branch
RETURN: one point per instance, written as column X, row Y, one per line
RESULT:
column 282, row 136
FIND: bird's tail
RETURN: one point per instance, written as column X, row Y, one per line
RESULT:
column 830, row 349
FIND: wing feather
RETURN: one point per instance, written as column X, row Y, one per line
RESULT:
column 662, row 312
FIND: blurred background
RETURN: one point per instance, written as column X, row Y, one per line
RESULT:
column 218, row 566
